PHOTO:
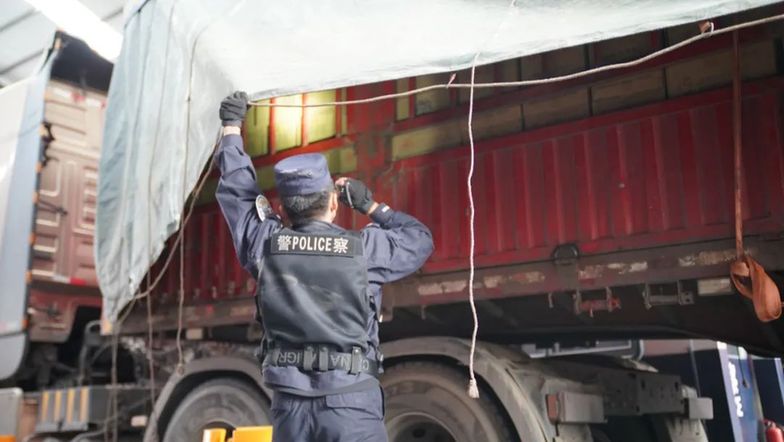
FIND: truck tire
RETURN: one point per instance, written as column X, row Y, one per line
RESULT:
column 220, row 403
column 427, row 402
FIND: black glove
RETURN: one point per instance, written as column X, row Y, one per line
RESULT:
column 355, row 194
column 233, row 109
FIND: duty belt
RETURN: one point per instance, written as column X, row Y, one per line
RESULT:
column 322, row 358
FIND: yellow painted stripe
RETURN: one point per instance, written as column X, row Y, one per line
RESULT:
column 257, row 131
column 265, row 177
column 425, row 140
column 58, row 401
column 341, row 160
column 487, row 124
column 69, row 405
column 343, row 114
column 44, row 406
column 83, row 401
column 401, row 105
column 252, row 434
column 214, row 435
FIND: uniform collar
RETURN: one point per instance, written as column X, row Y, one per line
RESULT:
column 316, row 226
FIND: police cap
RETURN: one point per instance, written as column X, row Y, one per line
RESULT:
column 302, row 174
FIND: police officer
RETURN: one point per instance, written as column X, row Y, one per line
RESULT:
column 319, row 291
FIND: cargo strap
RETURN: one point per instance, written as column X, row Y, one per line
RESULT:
column 752, row 282
column 747, row 275
column 321, row 358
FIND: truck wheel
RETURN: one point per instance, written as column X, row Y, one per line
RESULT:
column 427, row 402
column 220, row 403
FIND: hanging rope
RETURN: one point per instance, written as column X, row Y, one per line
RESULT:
column 737, row 146
column 747, row 274
column 114, row 404
column 180, row 360
column 473, row 388
column 150, row 359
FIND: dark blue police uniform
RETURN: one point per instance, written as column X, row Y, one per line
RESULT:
column 335, row 403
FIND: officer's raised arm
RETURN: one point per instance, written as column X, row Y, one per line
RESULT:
column 397, row 244
column 237, row 189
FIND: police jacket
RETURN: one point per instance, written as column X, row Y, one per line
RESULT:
column 394, row 246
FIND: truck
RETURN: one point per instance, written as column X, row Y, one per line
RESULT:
column 604, row 212
column 50, row 149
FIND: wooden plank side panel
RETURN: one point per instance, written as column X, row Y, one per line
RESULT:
column 648, row 177
column 585, row 203
column 453, row 215
column 600, row 182
column 535, row 198
column 660, row 176
column 504, row 199
column 756, row 137
column 634, row 184
column 669, row 171
column 710, row 171
column 485, row 213
column 653, row 177
column 566, row 188
column 764, row 136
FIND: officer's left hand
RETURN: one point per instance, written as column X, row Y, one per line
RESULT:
column 233, row 109
column 355, row 194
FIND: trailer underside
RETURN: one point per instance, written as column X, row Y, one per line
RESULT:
column 666, row 292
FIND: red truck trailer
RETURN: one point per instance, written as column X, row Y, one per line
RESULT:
column 604, row 211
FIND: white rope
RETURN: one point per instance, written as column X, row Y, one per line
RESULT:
column 473, row 388
column 708, row 32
